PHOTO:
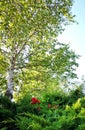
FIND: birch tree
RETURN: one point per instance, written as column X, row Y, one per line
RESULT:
column 24, row 22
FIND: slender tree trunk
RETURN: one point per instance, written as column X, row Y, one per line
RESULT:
column 10, row 79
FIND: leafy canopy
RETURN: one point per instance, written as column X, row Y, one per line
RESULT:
column 28, row 30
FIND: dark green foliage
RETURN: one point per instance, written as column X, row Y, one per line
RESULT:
column 75, row 94
column 82, row 102
column 24, row 104
column 7, row 110
column 56, row 111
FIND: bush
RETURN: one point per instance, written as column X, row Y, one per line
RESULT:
column 52, row 111
column 7, row 111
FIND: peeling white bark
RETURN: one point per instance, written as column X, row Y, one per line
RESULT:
column 10, row 79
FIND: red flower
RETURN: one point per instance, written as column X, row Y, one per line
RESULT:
column 49, row 105
column 34, row 100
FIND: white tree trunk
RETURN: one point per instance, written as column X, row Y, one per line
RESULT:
column 10, row 83
column 10, row 79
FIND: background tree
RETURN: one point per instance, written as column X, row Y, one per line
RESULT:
column 49, row 64
column 24, row 23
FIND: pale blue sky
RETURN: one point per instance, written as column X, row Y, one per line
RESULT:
column 75, row 34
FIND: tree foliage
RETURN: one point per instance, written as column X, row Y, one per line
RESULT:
column 27, row 42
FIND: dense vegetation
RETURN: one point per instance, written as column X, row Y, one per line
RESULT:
column 50, row 111
column 38, row 88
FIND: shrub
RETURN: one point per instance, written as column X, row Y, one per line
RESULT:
column 53, row 111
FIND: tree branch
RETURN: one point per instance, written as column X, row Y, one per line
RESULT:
column 3, row 51
column 23, row 45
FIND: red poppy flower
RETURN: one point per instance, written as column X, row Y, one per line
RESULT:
column 34, row 100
